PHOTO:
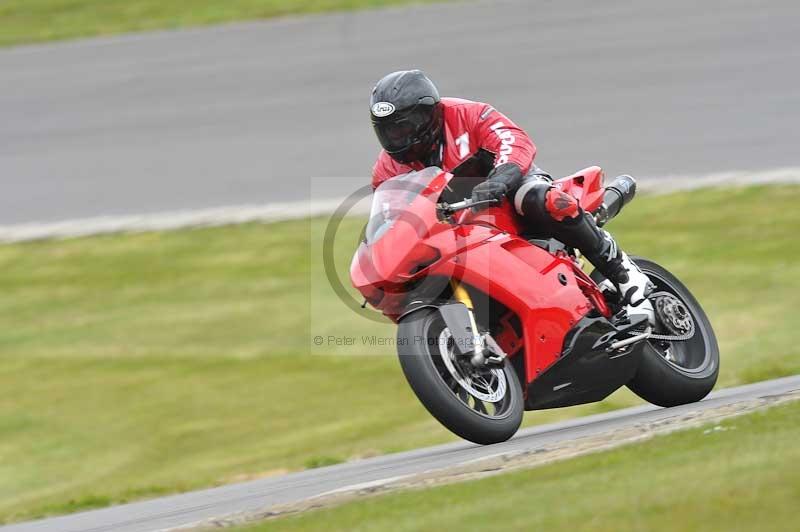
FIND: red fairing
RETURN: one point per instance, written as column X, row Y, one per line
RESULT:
column 412, row 246
column 525, row 278
column 502, row 218
column 468, row 127
column 585, row 186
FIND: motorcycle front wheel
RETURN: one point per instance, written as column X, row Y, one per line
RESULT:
column 483, row 405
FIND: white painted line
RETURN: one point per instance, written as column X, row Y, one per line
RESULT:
column 673, row 183
column 167, row 221
column 365, row 485
column 237, row 214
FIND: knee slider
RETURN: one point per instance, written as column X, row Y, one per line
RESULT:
column 560, row 205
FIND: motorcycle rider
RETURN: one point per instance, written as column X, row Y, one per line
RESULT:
column 417, row 129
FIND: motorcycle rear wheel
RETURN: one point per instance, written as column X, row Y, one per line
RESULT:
column 674, row 373
column 484, row 406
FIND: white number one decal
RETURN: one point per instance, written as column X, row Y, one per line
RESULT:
column 463, row 145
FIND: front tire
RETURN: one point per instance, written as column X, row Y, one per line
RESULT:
column 485, row 410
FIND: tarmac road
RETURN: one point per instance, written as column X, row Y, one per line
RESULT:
column 258, row 495
column 246, row 113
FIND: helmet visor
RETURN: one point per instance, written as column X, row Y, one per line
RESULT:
column 398, row 133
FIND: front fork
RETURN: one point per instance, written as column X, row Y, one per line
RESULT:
column 462, row 296
column 479, row 357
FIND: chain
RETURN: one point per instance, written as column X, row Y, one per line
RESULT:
column 669, row 338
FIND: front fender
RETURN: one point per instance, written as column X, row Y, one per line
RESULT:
column 416, row 306
column 456, row 318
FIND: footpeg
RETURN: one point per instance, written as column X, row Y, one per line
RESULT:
column 620, row 338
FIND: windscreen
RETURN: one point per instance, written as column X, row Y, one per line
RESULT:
column 392, row 197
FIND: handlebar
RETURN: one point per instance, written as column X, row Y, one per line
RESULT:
column 450, row 208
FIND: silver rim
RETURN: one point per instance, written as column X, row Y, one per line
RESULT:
column 488, row 385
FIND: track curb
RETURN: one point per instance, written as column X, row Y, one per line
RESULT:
column 275, row 212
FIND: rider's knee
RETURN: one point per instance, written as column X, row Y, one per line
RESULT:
column 530, row 199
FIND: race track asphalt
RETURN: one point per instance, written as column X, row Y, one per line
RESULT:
column 262, row 112
column 259, row 495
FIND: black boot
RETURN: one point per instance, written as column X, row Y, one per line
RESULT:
column 600, row 248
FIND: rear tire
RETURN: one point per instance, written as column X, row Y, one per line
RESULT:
column 693, row 373
column 418, row 341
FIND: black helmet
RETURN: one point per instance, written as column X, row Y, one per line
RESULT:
column 407, row 115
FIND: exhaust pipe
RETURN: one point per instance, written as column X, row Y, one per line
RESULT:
column 618, row 194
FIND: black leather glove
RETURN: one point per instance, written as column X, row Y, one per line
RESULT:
column 488, row 190
column 502, row 180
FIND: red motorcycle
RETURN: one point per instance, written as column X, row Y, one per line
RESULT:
column 493, row 320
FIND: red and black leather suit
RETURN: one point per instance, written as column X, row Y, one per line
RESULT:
column 479, row 141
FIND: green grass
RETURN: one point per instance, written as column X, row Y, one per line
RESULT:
column 26, row 21
column 743, row 477
column 137, row 365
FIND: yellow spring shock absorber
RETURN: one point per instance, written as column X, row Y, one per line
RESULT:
column 462, row 296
